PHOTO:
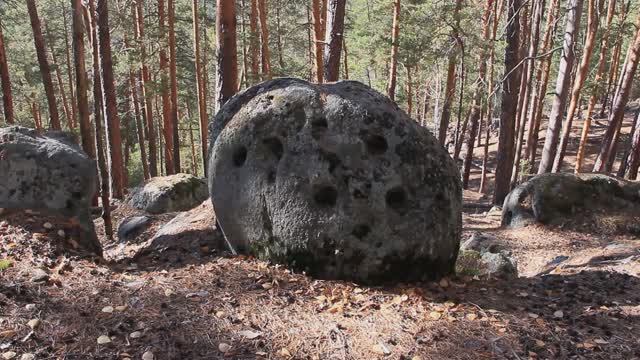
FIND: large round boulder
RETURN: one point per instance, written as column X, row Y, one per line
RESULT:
column 48, row 173
column 589, row 202
column 335, row 180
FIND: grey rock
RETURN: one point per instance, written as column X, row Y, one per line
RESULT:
column 179, row 192
column 131, row 226
column 39, row 275
column 500, row 264
column 560, row 198
column 336, row 180
column 482, row 242
column 48, row 173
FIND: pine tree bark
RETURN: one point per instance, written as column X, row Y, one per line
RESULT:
column 74, row 109
column 65, row 104
column 597, row 91
column 318, row 39
column 542, row 82
column 450, row 88
column 5, row 79
column 574, row 12
column 226, row 49
column 508, row 110
column 145, row 77
column 409, row 90
column 165, row 90
column 139, row 127
column 578, row 83
column 45, row 69
column 346, row 58
column 173, row 76
column 395, row 33
column 614, row 63
column 86, row 132
column 476, row 106
column 634, row 155
column 264, row 40
column 254, row 42
column 202, row 101
column 334, row 35
column 621, row 99
column 110, row 100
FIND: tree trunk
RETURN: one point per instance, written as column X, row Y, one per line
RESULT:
column 7, row 96
column 450, row 88
column 65, row 104
column 226, row 50
column 574, row 12
column 45, row 70
column 613, row 70
column 145, row 77
column 617, row 114
column 174, row 85
column 409, row 91
column 476, row 107
column 254, row 42
column 508, row 111
column 395, row 33
column 578, row 83
column 542, row 81
column 318, row 39
column 457, row 138
column 346, row 58
column 110, row 100
column 264, row 40
column 165, row 90
column 634, row 156
column 202, row 101
column 74, row 109
column 86, row 132
column 595, row 95
column 334, row 34
column 279, row 37
column 625, row 162
column 139, row 126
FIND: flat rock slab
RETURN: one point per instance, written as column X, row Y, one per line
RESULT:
column 334, row 180
column 179, row 192
column 48, row 173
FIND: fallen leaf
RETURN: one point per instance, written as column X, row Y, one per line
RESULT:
column 434, row 315
column 558, row 314
column 148, row 355
column 107, row 309
column 168, row 292
column 103, row 339
column 135, row 335
column 540, row 343
column 601, row 341
column 224, row 347
column 471, row 316
column 533, row 316
column 9, row 355
column 444, row 283
column 267, row 286
column 7, row 333
column 249, row 334
column 284, row 352
column 121, row 308
column 381, row 349
column 34, row 323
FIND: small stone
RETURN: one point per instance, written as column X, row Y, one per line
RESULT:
column 103, row 339
column 444, row 283
column 9, row 355
column 135, row 335
column 558, row 314
column 121, row 308
column 61, row 233
column 48, row 225
column 148, row 355
column 30, row 307
column 224, row 347
column 39, row 275
column 107, row 309
column 27, row 356
column 34, row 323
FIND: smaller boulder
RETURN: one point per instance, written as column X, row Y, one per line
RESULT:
column 483, row 255
column 179, row 192
column 132, row 226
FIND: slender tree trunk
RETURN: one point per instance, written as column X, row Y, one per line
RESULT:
column 35, row 113
column 318, row 39
column 65, row 104
column 617, row 115
column 165, row 90
column 334, row 35
column 7, row 96
column 634, row 154
column 578, row 83
column 311, row 45
column 173, row 75
column 450, row 88
column 194, row 157
column 625, row 162
column 595, row 95
column 264, row 40
column 346, row 58
column 395, row 33
column 110, row 100
column 254, row 42
column 74, row 109
column 279, row 37
column 139, row 126
column 45, row 70
column 457, row 137
column 226, row 50
column 145, row 77
column 508, row 112
column 476, row 107
column 574, row 12
column 202, row 101
column 613, row 70
column 86, row 132
column 409, row 91
column 425, row 104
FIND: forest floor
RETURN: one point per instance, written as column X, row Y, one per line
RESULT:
column 578, row 296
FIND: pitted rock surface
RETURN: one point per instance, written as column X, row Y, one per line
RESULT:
column 179, row 192
column 48, row 173
column 335, row 180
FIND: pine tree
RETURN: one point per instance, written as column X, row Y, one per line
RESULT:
column 7, row 95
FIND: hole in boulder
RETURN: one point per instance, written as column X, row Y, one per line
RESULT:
column 396, row 199
column 376, row 144
column 360, row 231
column 378, row 244
column 318, row 127
column 357, row 194
column 239, row 156
column 275, row 146
column 271, row 176
column 325, row 195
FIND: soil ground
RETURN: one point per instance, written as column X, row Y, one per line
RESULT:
column 578, row 296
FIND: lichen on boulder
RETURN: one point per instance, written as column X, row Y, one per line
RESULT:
column 335, row 180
